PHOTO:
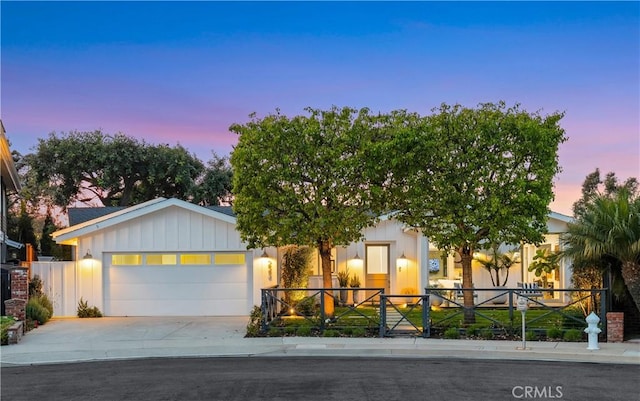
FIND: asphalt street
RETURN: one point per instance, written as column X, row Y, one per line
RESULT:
column 321, row 378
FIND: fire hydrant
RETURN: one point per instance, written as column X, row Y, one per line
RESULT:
column 592, row 330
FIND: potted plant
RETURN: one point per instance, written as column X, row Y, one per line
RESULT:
column 355, row 283
column 545, row 263
column 496, row 262
column 343, row 282
column 436, row 295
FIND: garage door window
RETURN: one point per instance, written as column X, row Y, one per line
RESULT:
column 126, row 260
column 229, row 258
column 162, row 259
column 195, row 259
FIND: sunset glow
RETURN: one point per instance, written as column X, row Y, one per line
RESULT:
column 183, row 72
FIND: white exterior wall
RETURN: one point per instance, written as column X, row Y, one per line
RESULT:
column 171, row 229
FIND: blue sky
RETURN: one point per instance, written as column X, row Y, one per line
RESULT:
column 184, row 71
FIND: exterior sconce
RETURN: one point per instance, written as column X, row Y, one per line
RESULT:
column 88, row 255
column 265, row 257
column 402, row 262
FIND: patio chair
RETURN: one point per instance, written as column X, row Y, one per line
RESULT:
column 459, row 293
column 530, row 290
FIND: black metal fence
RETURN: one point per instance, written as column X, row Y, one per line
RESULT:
column 285, row 310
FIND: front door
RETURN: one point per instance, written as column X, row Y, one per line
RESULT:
column 377, row 267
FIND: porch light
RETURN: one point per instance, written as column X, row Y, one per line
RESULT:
column 88, row 255
column 267, row 262
column 402, row 262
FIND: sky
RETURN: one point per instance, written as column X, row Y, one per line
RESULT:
column 183, row 72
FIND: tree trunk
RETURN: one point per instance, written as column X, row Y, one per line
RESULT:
column 631, row 276
column 467, row 282
column 324, row 247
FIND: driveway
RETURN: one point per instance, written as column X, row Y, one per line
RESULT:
column 73, row 339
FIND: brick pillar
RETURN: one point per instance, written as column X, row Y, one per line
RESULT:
column 16, row 306
column 20, row 284
column 615, row 327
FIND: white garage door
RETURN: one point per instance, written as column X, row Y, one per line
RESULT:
column 133, row 287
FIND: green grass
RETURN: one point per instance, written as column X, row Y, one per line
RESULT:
column 488, row 320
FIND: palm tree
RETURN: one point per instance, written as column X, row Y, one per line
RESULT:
column 496, row 262
column 610, row 227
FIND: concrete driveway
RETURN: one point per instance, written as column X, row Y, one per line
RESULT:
column 73, row 339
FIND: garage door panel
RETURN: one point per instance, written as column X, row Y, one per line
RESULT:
column 203, row 291
column 150, row 275
column 177, row 290
column 177, row 308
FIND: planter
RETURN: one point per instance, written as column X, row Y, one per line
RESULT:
column 435, row 300
column 355, row 296
column 500, row 294
column 344, row 294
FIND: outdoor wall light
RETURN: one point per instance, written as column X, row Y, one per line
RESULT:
column 88, row 255
column 402, row 262
column 267, row 261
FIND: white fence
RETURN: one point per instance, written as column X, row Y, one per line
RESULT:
column 60, row 281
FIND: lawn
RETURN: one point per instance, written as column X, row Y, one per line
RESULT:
column 367, row 317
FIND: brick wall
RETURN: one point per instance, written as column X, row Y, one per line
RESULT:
column 16, row 306
column 615, row 327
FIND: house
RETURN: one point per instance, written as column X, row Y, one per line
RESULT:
column 168, row 257
column 9, row 183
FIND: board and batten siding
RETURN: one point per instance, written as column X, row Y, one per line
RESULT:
column 172, row 229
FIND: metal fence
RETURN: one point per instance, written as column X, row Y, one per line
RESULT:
column 286, row 310
column 307, row 305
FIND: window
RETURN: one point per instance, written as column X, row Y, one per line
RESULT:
column 162, row 259
column 195, row 259
column 229, row 259
column 377, row 259
column 126, row 259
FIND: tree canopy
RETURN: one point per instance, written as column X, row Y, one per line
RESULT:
column 480, row 176
column 117, row 170
column 308, row 180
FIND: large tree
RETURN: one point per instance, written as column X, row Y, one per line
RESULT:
column 609, row 227
column 115, row 169
column 214, row 186
column 490, row 179
column 309, row 180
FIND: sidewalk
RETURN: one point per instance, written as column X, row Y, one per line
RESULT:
column 72, row 340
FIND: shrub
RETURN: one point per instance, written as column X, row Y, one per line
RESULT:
column 35, row 286
column 347, row 331
column 330, row 333
column 486, row 333
column 473, row 330
column 290, row 330
column 573, row 335
column 274, row 332
column 304, row 331
column 46, row 302
column 84, row 310
column 255, row 322
column 554, row 333
column 452, row 333
column 531, row 336
column 5, row 323
column 307, row 307
column 359, row 332
column 35, row 311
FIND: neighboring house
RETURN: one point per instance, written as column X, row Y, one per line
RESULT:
column 170, row 257
column 9, row 183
